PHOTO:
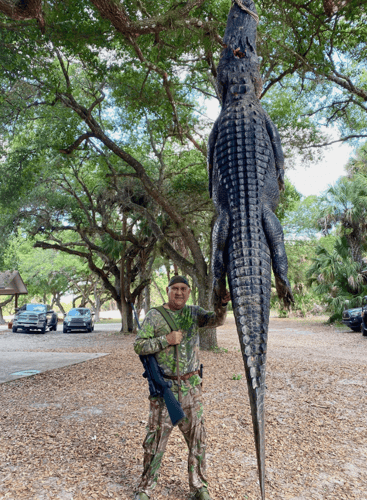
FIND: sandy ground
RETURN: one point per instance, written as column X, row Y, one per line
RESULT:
column 76, row 433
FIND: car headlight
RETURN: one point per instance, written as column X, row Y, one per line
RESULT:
column 42, row 317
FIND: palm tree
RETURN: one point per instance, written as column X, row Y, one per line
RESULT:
column 345, row 205
column 337, row 277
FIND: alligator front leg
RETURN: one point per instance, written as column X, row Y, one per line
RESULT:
column 219, row 265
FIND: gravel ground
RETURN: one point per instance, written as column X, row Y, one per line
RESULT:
column 76, row 433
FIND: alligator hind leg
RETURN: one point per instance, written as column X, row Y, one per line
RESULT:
column 219, row 266
column 274, row 235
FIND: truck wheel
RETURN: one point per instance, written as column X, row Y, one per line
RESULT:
column 64, row 330
column 43, row 330
column 15, row 329
column 364, row 332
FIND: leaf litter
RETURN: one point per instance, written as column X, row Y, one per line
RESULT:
column 76, row 433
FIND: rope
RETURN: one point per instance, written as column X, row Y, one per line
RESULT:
column 252, row 14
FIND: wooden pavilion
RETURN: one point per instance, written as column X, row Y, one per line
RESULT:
column 11, row 283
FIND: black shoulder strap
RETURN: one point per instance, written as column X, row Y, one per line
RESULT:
column 170, row 321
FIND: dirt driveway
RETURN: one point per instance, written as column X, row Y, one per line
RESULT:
column 76, row 433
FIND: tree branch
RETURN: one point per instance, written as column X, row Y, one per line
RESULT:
column 23, row 10
column 76, row 144
column 147, row 182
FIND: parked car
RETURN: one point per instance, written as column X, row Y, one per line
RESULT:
column 364, row 317
column 356, row 318
column 79, row 318
column 353, row 318
column 34, row 317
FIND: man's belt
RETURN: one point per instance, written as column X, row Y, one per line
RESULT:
column 183, row 377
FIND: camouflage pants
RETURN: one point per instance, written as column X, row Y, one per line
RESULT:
column 159, row 429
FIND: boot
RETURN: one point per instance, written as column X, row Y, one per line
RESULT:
column 141, row 496
column 202, row 494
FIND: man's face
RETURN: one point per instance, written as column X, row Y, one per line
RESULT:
column 178, row 295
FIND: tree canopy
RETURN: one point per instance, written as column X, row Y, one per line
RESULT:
column 102, row 107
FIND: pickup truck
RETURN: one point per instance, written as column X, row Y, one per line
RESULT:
column 34, row 317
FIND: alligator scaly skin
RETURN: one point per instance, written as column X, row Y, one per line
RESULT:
column 245, row 162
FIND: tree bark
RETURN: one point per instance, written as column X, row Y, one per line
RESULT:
column 3, row 304
column 146, row 299
column 158, row 290
column 123, row 304
column 208, row 336
column 97, row 304
column 57, row 300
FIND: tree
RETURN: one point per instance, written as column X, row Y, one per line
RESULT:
column 289, row 200
column 319, row 55
column 82, row 217
column 7, row 263
column 358, row 163
column 112, row 78
column 303, row 221
column 337, row 277
column 345, row 205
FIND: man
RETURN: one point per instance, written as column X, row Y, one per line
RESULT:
column 156, row 337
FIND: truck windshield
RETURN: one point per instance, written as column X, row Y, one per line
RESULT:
column 36, row 307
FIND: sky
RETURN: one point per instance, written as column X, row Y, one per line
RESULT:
column 317, row 177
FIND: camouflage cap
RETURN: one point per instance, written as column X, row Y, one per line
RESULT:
column 178, row 279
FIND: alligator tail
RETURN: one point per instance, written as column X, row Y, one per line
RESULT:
column 249, row 277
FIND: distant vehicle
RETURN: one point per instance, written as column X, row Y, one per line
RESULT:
column 35, row 317
column 356, row 318
column 364, row 317
column 79, row 318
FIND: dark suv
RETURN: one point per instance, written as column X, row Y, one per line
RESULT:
column 79, row 318
column 356, row 318
column 34, row 317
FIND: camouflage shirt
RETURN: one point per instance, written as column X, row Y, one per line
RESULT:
column 151, row 339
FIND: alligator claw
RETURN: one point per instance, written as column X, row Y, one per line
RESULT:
column 284, row 291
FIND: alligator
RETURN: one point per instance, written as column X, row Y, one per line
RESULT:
column 246, row 174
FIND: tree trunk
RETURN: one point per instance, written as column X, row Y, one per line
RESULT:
column 97, row 304
column 3, row 304
column 57, row 300
column 122, row 307
column 146, row 299
column 194, row 294
column 354, row 241
column 2, row 320
column 158, row 290
column 167, row 266
column 208, row 336
column 175, row 269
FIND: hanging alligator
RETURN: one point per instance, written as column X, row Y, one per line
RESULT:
column 246, row 174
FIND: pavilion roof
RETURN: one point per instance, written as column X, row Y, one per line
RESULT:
column 11, row 283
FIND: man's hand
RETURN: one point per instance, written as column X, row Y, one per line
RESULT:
column 226, row 298
column 174, row 337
